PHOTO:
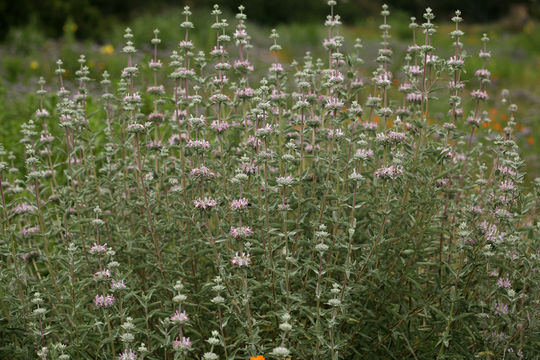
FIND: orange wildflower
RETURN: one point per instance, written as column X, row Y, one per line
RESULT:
column 530, row 140
column 258, row 357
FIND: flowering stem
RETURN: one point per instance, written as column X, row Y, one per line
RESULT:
column 109, row 328
column 148, row 211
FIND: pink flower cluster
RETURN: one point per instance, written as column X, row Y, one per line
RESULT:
column 370, row 125
column 455, row 61
column 198, row 144
column 46, row 137
column 118, row 285
column 508, row 185
column 30, row 231
column 244, row 93
column 185, row 44
column 415, row 97
column 474, row 120
column 388, row 172
column 156, row 117
column 241, row 260
column 239, row 204
column 219, row 126
column 218, row 51
column 180, row 317
column 174, row 139
column 154, row 145
column 204, row 203
column 248, row 167
column 491, row 232
column 243, row 65
column 183, row 343
column 363, row 154
column 500, row 309
column 42, row 113
column 23, row 208
column 128, row 355
column 253, row 142
column 202, row 172
column 241, row 232
column 154, row 64
column 456, row 85
column 415, row 70
column 482, row 73
column 506, row 170
column 504, row 283
column 276, row 68
column 479, row 94
column 102, row 274
column 98, row 248
column 396, row 136
column 104, row 300
column 333, row 104
column 335, row 133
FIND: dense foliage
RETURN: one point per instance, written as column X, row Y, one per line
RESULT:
column 96, row 17
column 298, row 212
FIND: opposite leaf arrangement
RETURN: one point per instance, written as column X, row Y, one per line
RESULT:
column 302, row 211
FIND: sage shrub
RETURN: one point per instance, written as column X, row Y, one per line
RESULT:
column 216, row 207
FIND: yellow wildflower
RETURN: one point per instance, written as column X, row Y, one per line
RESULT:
column 107, row 49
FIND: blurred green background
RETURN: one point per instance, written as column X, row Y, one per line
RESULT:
column 34, row 34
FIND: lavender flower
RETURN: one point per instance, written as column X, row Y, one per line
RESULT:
column 363, row 154
column 104, row 300
column 333, row 104
column 205, row 203
column 202, row 172
column 242, row 260
column 23, row 208
column 198, row 145
column 118, row 285
column 507, row 185
column 29, row 230
column 500, row 308
column 241, row 232
column 389, row 172
column 128, row 355
column 504, row 283
column 239, row 204
column 219, row 126
column 284, row 180
column 479, row 94
column 183, row 344
column 179, row 317
column 98, row 248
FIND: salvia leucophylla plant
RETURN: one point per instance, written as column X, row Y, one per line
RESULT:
column 298, row 211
